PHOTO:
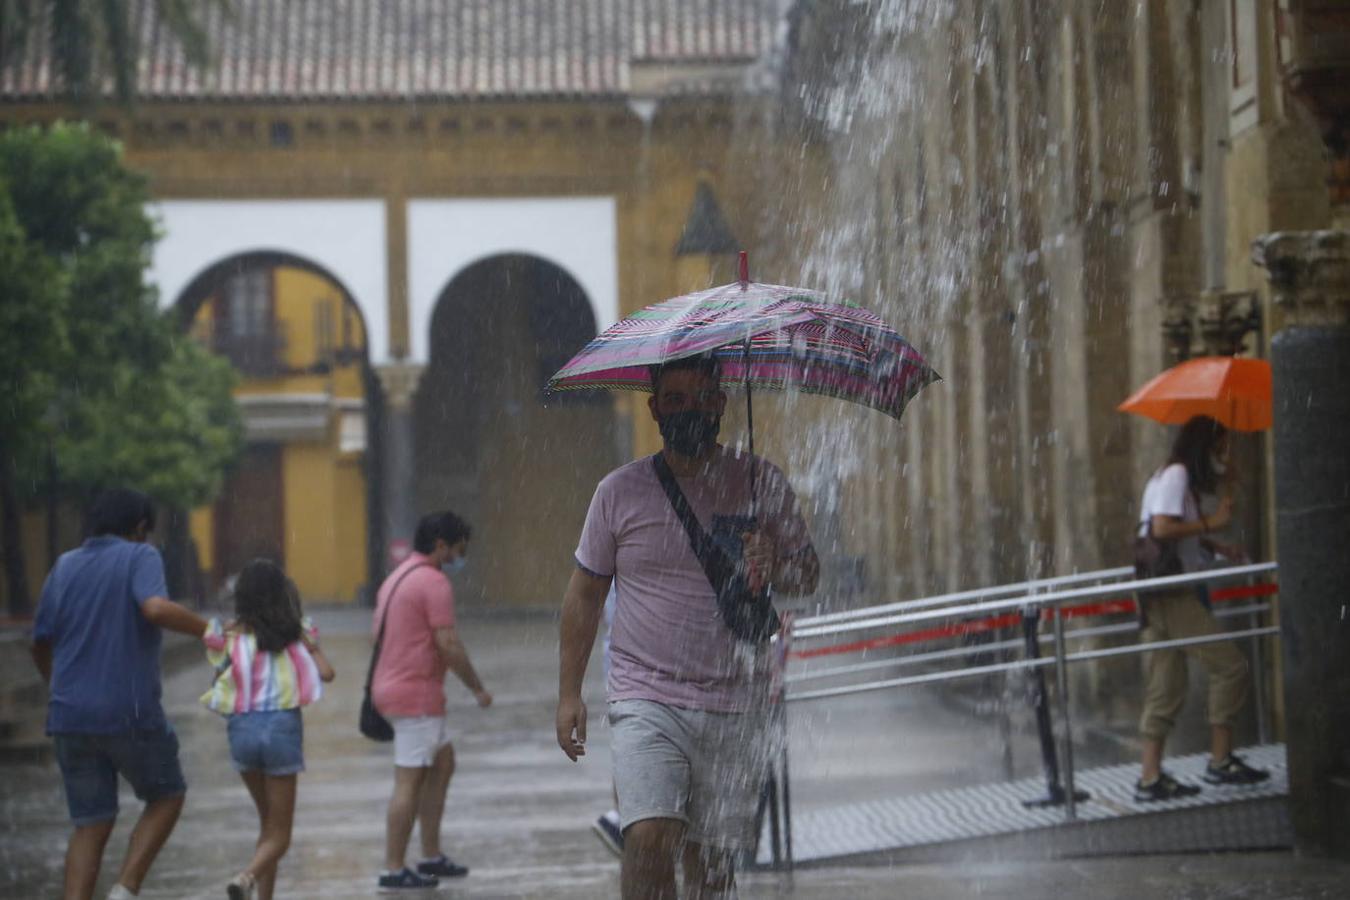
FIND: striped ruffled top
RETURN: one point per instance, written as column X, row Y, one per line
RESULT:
column 250, row 681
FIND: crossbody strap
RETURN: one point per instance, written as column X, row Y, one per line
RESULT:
column 384, row 619
column 715, row 565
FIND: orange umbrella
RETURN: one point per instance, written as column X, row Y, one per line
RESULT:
column 1236, row 392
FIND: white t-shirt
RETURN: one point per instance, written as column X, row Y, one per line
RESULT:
column 1168, row 493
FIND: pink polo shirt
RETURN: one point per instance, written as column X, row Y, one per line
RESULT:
column 668, row 642
column 410, row 677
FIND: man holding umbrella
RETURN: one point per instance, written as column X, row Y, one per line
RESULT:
column 698, row 538
column 687, row 694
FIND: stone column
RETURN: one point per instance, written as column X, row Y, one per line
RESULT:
column 1310, row 281
column 396, row 251
column 399, row 383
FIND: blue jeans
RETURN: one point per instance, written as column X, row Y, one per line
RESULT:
column 269, row 742
column 90, row 764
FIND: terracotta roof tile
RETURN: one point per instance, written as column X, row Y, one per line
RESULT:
column 388, row 49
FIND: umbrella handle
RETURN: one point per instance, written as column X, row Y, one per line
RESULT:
column 750, row 426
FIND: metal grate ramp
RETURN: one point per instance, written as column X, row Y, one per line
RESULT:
column 990, row 821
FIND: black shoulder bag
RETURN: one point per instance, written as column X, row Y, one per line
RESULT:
column 373, row 725
column 748, row 614
column 1154, row 558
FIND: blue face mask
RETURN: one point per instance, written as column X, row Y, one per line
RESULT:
column 455, row 565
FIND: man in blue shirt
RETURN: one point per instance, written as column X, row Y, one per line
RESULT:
column 96, row 641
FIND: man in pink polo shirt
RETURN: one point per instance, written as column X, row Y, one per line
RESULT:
column 416, row 604
column 687, row 698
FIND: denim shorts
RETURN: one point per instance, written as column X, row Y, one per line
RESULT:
column 90, row 764
column 268, row 742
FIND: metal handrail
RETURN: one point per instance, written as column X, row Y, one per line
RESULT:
column 972, row 649
column 972, row 671
column 1018, row 587
column 1053, row 598
column 1029, row 604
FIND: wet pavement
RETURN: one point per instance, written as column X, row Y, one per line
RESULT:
column 519, row 812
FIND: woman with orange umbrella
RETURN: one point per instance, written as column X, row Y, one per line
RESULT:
column 1176, row 525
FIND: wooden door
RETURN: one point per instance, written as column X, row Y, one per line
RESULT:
column 250, row 515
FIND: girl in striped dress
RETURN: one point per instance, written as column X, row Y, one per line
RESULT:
column 268, row 665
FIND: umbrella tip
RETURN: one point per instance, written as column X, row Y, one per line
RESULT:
column 744, row 261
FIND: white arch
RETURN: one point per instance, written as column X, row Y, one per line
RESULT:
column 345, row 237
column 577, row 234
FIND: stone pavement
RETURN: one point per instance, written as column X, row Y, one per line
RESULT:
column 519, row 812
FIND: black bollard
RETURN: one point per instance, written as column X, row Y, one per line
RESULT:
column 1055, row 794
column 1310, row 358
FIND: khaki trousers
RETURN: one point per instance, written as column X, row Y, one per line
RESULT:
column 1180, row 614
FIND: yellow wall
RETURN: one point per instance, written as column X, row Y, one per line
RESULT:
column 310, row 498
column 325, row 522
column 202, row 527
column 349, row 527
column 324, row 490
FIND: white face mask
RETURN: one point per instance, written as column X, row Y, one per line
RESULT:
column 455, row 565
column 1218, row 463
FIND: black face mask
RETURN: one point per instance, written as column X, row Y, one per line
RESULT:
column 690, row 433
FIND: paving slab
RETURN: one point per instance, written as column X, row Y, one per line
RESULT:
column 519, row 812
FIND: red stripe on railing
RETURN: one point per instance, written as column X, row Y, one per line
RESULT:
column 914, row 637
column 1243, row 592
column 1007, row 620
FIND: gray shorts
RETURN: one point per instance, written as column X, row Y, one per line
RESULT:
column 705, row 769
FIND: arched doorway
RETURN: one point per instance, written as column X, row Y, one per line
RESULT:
column 519, row 466
column 301, row 493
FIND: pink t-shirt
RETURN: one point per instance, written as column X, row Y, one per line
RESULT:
column 668, row 642
column 410, row 676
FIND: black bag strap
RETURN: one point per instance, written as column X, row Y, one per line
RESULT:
column 379, row 640
column 749, row 616
column 716, row 566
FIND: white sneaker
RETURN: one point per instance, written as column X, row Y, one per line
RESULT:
column 240, row 887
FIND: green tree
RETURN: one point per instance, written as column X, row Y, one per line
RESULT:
column 92, row 41
column 32, row 338
column 171, row 435
column 90, row 368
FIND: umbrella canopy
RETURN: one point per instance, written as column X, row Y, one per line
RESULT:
column 766, row 336
column 1234, row 391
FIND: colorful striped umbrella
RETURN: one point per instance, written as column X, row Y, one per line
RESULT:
column 766, row 336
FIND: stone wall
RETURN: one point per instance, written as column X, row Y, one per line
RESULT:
column 1053, row 205
column 1032, row 194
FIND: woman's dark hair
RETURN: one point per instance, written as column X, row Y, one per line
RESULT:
column 267, row 602
column 443, row 525
column 119, row 512
column 1193, row 449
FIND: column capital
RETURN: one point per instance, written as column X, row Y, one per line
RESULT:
column 1309, row 274
column 1225, row 318
column 399, row 381
column 1178, row 328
